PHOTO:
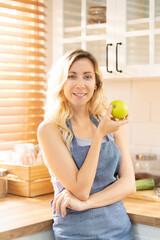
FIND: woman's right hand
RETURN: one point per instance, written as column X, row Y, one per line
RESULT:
column 64, row 200
column 109, row 124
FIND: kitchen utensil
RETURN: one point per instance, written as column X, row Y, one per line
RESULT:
column 146, row 195
column 157, row 191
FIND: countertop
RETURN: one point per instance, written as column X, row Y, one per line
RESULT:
column 20, row 216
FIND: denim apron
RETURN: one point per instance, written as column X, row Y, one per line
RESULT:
column 105, row 223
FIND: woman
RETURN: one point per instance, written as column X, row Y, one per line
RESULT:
column 85, row 149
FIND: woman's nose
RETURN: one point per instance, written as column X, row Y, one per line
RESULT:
column 80, row 82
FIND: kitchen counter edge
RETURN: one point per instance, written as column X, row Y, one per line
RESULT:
column 139, row 211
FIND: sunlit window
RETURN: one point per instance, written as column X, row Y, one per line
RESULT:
column 22, row 70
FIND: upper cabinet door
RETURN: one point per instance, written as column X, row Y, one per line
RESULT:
column 72, row 25
column 109, row 71
column 95, row 29
column 126, row 42
column 156, row 24
column 84, row 26
column 138, row 30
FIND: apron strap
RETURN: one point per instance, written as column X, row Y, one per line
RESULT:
column 94, row 120
column 70, row 125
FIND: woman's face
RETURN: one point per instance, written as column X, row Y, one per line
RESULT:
column 81, row 83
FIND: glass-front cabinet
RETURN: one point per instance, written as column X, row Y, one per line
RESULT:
column 124, row 35
column 85, row 27
column 140, row 35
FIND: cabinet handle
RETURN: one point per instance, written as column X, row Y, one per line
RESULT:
column 109, row 44
column 119, row 43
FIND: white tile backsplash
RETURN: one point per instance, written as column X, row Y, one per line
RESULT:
column 127, row 129
column 155, row 110
column 156, row 150
column 140, row 110
column 117, row 90
column 143, row 99
column 146, row 134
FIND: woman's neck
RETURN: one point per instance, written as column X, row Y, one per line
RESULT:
column 80, row 114
column 80, row 117
column 82, row 125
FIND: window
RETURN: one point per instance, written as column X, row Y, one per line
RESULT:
column 22, row 70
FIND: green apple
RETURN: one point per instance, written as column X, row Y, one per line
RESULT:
column 120, row 109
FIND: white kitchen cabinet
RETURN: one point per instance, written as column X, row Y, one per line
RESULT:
column 48, row 234
column 138, row 29
column 142, row 232
column 128, row 43
column 145, row 232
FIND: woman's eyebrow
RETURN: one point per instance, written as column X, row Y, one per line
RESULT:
column 83, row 73
column 88, row 72
column 72, row 72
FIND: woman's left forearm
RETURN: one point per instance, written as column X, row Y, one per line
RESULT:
column 111, row 194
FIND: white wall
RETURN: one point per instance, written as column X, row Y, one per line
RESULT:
column 143, row 99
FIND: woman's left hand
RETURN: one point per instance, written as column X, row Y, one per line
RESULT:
column 66, row 200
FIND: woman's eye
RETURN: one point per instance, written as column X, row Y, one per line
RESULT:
column 88, row 77
column 72, row 77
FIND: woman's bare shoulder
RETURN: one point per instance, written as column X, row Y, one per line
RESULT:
column 47, row 126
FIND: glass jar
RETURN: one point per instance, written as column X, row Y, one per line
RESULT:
column 24, row 154
column 96, row 14
column 3, row 182
column 145, row 162
column 39, row 160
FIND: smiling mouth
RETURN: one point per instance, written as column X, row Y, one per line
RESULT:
column 80, row 94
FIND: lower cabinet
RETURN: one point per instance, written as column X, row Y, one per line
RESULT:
column 48, row 235
column 144, row 232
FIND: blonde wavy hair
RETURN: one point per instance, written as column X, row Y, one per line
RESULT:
column 56, row 106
